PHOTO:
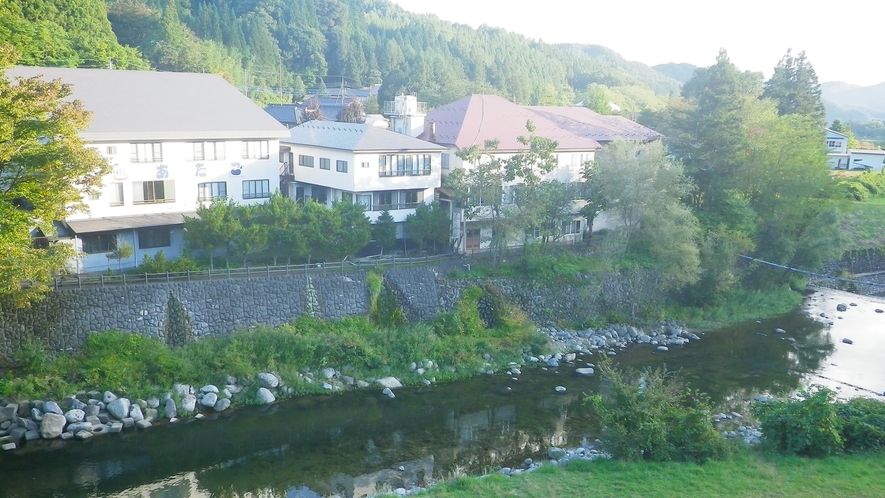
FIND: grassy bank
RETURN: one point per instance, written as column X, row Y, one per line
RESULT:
column 746, row 474
column 741, row 306
column 457, row 342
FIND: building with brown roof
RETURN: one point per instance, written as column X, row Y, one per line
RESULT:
column 472, row 121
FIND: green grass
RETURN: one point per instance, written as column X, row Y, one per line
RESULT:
column 864, row 224
column 747, row 474
column 743, row 305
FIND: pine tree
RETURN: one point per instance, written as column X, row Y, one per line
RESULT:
column 795, row 88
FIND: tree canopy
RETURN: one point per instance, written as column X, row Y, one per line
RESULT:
column 45, row 169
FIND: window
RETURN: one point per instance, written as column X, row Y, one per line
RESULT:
column 153, row 237
column 94, row 196
column 95, row 243
column 319, row 194
column 404, row 165
column 305, row 161
column 116, row 194
column 571, row 227
column 256, row 149
column 398, row 199
column 364, row 200
column 207, row 151
column 341, row 166
column 147, row 152
column 111, row 150
column 256, row 189
column 834, row 143
column 444, row 161
column 325, row 163
column 347, row 197
column 364, row 164
column 211, row 191
column 153, row 192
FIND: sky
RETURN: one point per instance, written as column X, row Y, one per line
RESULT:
column 843, row 40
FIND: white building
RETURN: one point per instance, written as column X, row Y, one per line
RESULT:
column 174, row 140
column 578, row 131
column 377, row 168
column 837, row 149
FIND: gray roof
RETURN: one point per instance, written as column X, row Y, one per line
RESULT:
column 115, row 223
column 355, row 137
column 151, row 105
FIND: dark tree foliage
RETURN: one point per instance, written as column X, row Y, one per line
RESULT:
column 266, row 44
column 353, row 112
column 795, row 88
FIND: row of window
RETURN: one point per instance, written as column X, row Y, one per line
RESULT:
column 325, row 163
column 161, row 191
column 146, row 238
column 152, row 152
column 404, row 165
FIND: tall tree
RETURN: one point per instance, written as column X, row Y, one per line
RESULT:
column 795, row 88
column 430, row 224
column 45, row 170
column 384, row 230
column 212, row 229
column 353, row 112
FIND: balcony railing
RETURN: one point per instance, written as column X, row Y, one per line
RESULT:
column 392, row 107
column 425, row 171
column 394, row 207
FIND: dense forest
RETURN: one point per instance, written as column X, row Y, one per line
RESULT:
column 285, row 46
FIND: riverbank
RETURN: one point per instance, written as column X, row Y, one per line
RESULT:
column 746, row 474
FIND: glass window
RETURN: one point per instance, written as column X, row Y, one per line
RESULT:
column 154, row 237
column 95, row 243
column 325, row 163
column 256, row 189
column 444, row 160
column 256, row 149
column 157, row 191
column 116, row 194
column 305, row 161
column 146, row 152
column 211, row 190
column 341, row 166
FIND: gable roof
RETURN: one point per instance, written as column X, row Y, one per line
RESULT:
column 355, row 137
column 477, row 118
column 152, row 105
column 834, row 133
column 586, row 123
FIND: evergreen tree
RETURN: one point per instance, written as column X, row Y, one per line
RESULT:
column 795, row 88
column 384, row 230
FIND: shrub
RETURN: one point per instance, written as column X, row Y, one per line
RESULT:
column 653, row 415
column 159, row 264
column 863, row 424
column 808, row 427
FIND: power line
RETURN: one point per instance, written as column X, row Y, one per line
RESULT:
column 810, row 273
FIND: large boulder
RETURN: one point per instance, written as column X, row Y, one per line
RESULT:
column 52, row 407
column 209, row 400
column 52, row 425
column 135, row 413
column 75, row 415
column 119, row 408
column 268, row 380
column 265, row 397
column 169, row 409
column 189, row 403
column 389, row 382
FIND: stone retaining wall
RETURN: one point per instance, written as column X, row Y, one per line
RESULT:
column 64, row 318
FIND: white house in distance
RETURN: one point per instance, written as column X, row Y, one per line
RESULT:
column 174, row 140
column 376, row 168
column 837, row 149
column 473, row 120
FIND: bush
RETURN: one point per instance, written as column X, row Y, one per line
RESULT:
column 159, row 264
column 808, row 427
column 654, row 416
column 863, row 424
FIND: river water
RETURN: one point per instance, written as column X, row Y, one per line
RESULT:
column 358, row 443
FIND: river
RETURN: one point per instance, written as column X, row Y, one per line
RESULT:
column 358, row 443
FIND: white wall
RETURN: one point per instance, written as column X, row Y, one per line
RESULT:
column 874, row 159
column 177, row 165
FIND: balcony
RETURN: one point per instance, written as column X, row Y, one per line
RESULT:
column 405, row 107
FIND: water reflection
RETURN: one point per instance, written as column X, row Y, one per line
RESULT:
column 359, row 443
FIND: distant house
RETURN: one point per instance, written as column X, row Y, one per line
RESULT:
column 837, row 149
column 866, row 159
column 473, row 120
column 174, row 140
column 361, row 163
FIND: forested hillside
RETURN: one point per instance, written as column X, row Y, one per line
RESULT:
column 295, row 44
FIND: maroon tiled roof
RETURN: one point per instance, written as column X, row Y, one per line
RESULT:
column 586, row 123
column 477, row 118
